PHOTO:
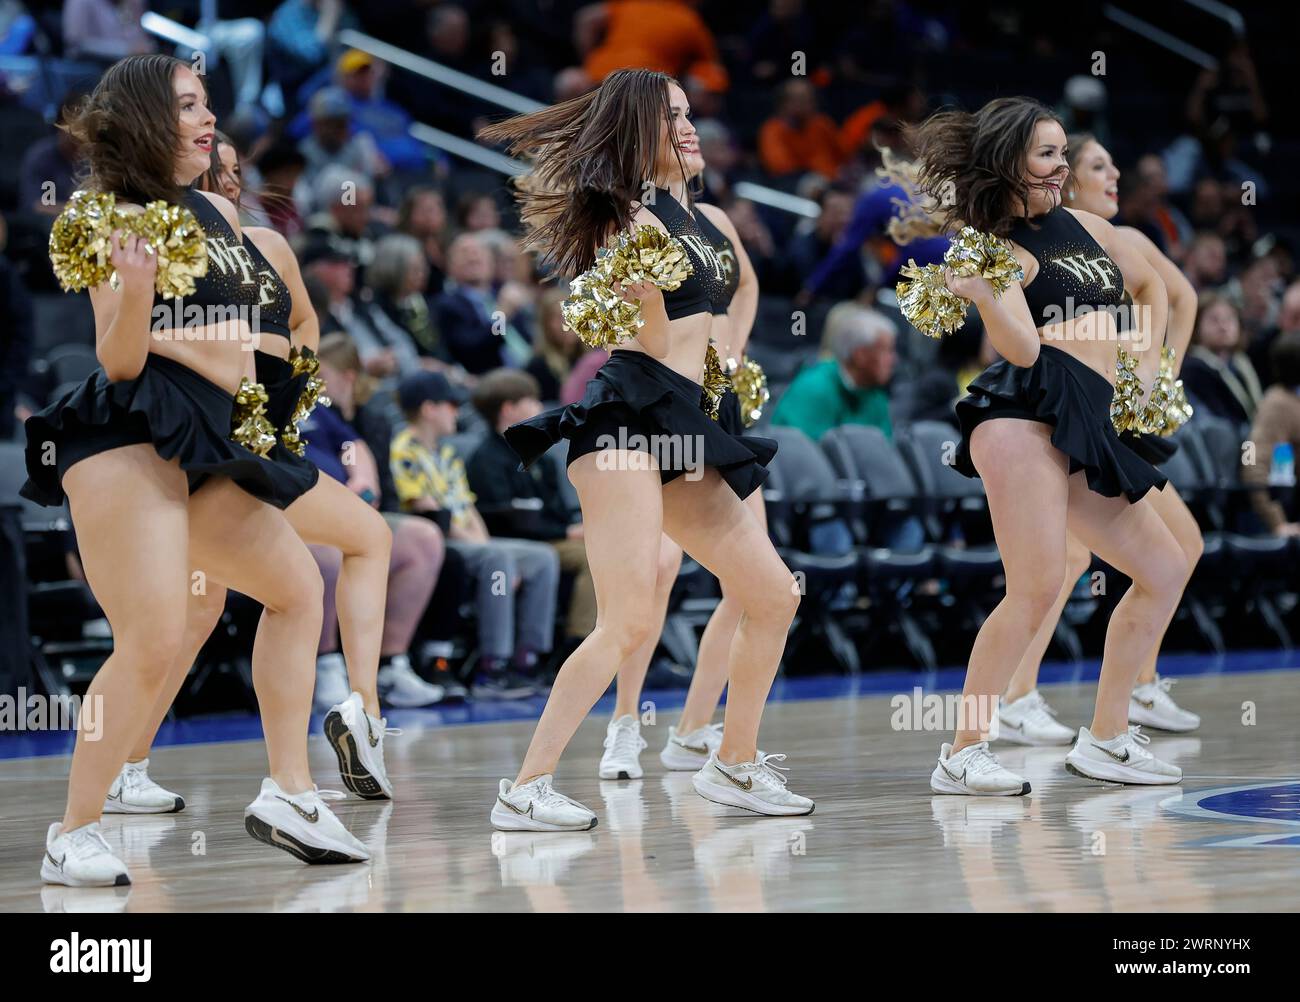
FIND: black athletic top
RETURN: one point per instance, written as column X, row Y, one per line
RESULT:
column 706, row 287
column 726, row 256
column 1073, row 270
column 232, row 278
column 275, row 302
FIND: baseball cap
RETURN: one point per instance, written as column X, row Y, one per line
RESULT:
column 330, row 102
column 420, row 387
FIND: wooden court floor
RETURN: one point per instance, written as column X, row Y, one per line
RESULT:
column 1227, row 839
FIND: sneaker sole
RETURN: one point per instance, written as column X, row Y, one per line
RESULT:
column 1120, row 775
column 356, row 777
column 1162, row 725
column 50, row 875
column 942, row 784
column 728, row 797
column 680, row 764
column 268, row 833
column 113, row 807
column 621, row 774
column 1005, row 733
column 504, row 822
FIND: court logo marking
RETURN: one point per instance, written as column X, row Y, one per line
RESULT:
column 1274, row 803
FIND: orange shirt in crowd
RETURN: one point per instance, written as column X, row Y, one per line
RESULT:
column 856, row 129
column 784, row 149
column 664, row 35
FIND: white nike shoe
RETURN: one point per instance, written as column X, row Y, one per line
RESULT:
column 331, row 682
column 536, row 807
column 754, row 786
column 358, row 740
column 690, row 752
column 975, row 772
column 1030, row 721
column 133, row 792
column 1152, row 706
column 623, row 747
column 81, row 858
column 302, row 825
column 1122, row 759
column 400, row 686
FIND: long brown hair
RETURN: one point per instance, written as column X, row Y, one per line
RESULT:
column 593, row 157
column 1074, row 145
column 210, row 180
column 128, row 129
column 973, row 165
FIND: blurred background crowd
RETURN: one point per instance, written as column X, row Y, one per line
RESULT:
column 439, row 330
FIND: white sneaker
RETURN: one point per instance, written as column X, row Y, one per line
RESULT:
column 400, row 686
column 975, row 772
column 1030, row 721
column 301, row 825
column 1152, row 706
column 536, row 807
column 690, row 752
column 358, row 740
column 331, row 681
column 133, row 792
column 623, row 747
column 755, row 786
column 81, row 858
column 1122, row 759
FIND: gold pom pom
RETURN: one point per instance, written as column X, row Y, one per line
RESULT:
column 596, row 311
column 1167, row 408
column 81, row 243
column 1126, row 404
column 1180, row 408
column 303, row 362
column 250, row 426
column 750, row 384
column 715, row 383
column 927, row 302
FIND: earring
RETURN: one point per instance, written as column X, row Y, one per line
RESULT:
column 1071, row 196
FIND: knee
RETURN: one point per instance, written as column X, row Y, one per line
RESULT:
column 1037, row 596
column 302, row 588
column 151, row 647
column 1078, row 558
column 1165, row 572
column 1193, row 546
column 627, row 635
column 771, row 598
column 373, row 536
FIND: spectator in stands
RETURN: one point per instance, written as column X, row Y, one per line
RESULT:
column 423, row 215
column 343, row 201
column 1206, row 264
column 48, row 175
column 387, row 124
column 849, row 388
column 904, row 102
column 1257, row 294
column 785, row 28
column 557, row 348
column 721, row 158
column 1276, row 422
column 300, row 35
column 334, row 142
column 281, row 166
column 1083, row 107
column 477, row 327
column 1165, row 223
column 1288, row 322
column 665, row 35
column 477, row 211
column 962, row 356
column 104, row 30
column 1217, row 373
column 504, row 397
column 340, row 451
column 808, row 249
column 798, row 138
column 396, row 278
column 584, row 370
column 16, row 336
column 517, row 580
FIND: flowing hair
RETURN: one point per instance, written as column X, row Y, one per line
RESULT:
column 1074, row 145
column 918, row 215
column 593, row 157
column 128, row 130
column 973, row 164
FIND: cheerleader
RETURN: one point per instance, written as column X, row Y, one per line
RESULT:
column 165, row 503
column 1036, row 428
column 614, row 158
column 328, row 515
column 1024, row 716
column 689, row 744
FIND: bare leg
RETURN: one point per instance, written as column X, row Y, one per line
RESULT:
column 130, row 510
column 1169, row 506
column 711, row 664
column 717, row 529
column 1134, row 540
column 1026, row 480
column 632, row 672
column 418, row 551
column 622, row 505
column 1025, row 680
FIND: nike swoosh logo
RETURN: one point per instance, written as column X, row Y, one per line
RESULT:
column 115, row 796
column 746, row 785
column 1145, row 704
column 311, row 818
column 370, row 734
column 1117, row 758
column 698, row 749
column 56, row 862
column 955, row 779
column 523, row 814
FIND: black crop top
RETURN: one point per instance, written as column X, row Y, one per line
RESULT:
column 726, row 257
column 232, row 277
column 1073, row 270
column 705, row 289
column 275, row 302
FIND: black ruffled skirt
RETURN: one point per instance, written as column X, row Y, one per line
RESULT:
column 729, row 414
column 1153, row 448
column 635, row 402
column 1061, row 391
column 170, row 406
column 283, row 389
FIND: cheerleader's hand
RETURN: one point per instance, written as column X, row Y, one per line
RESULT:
column 646, row 292
column 975, row 289
column 135, row 261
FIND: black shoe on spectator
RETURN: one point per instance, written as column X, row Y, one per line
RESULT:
column 497, row 681
column 665, row 674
